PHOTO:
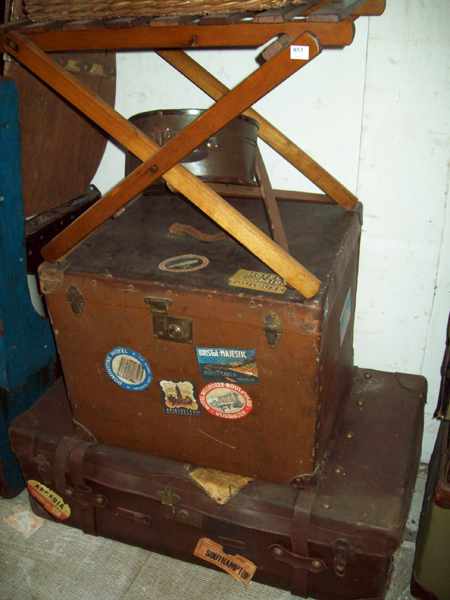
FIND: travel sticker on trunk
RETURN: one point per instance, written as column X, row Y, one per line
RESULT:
column 258, row 281
column 240, row 568
column 128, row 369
column 178, row 398
column 230, row 364
column 50, row 500
column 184, row 263
column 226, row 400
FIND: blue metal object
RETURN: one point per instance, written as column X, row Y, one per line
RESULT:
column 26, row 341
column 27, row 350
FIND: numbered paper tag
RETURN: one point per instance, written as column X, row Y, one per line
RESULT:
column 299, row 52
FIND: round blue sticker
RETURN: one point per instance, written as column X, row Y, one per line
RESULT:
column 128, row 369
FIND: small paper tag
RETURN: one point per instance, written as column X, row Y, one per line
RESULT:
column 256, row 280
column 239, row 567
column 49, row 500
column 299, row 52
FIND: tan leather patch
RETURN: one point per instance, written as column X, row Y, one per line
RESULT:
column 219, row 486
column 239, row 567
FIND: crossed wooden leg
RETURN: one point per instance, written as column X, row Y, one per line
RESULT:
column 159, row 162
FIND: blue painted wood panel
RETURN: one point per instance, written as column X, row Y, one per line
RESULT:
column 26, row 341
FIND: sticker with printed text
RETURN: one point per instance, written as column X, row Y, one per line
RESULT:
column 233, row 365
column 258, row 280
column 299, row 52
column 226, row 400
column 178, row 398
column 128, row 369
column 49, row 500
column 240, row 568
column 185, row 263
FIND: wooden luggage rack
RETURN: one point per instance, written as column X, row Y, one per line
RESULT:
column 300, row 30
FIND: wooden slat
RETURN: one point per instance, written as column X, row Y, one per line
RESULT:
column 229, row 190
column 267, row 132
column 270, row 202
column 254, row 87
column 134, row 140
column 186, row 36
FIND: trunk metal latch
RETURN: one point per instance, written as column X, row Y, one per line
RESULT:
column 273, row 328
column 165, row 327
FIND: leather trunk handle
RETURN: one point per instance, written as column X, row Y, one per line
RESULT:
column 69, row 458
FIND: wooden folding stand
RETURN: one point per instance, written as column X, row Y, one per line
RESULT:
column 301, row 31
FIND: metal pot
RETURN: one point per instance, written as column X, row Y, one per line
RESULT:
column 226, row 157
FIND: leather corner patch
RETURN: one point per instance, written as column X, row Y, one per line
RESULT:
column 219, row 486
column 240, row 568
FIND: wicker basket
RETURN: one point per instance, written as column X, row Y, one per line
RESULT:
column 57, row 10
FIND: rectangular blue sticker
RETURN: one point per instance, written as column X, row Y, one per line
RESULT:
column 232, row 365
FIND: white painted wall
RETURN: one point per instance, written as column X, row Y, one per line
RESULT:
column 377, row 116
column 404, row 293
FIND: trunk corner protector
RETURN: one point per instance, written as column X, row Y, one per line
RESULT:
column 51, row 276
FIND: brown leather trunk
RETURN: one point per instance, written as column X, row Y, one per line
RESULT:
column 275, row 368
column 332, row 538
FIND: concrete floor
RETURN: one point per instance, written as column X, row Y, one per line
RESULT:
column 40, row 560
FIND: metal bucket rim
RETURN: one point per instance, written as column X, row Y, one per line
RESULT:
column 185, row 111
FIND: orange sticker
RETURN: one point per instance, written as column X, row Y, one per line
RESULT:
column 49, row 500
column 239, row 567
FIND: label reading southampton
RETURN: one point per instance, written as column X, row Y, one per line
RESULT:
column 345, row 317
column 240, row 568
column 256, row 280
column 49, row 500
column 128, row 369
column 230, row 364
column 185, row 263
column 178, row 398
column 226, row 400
